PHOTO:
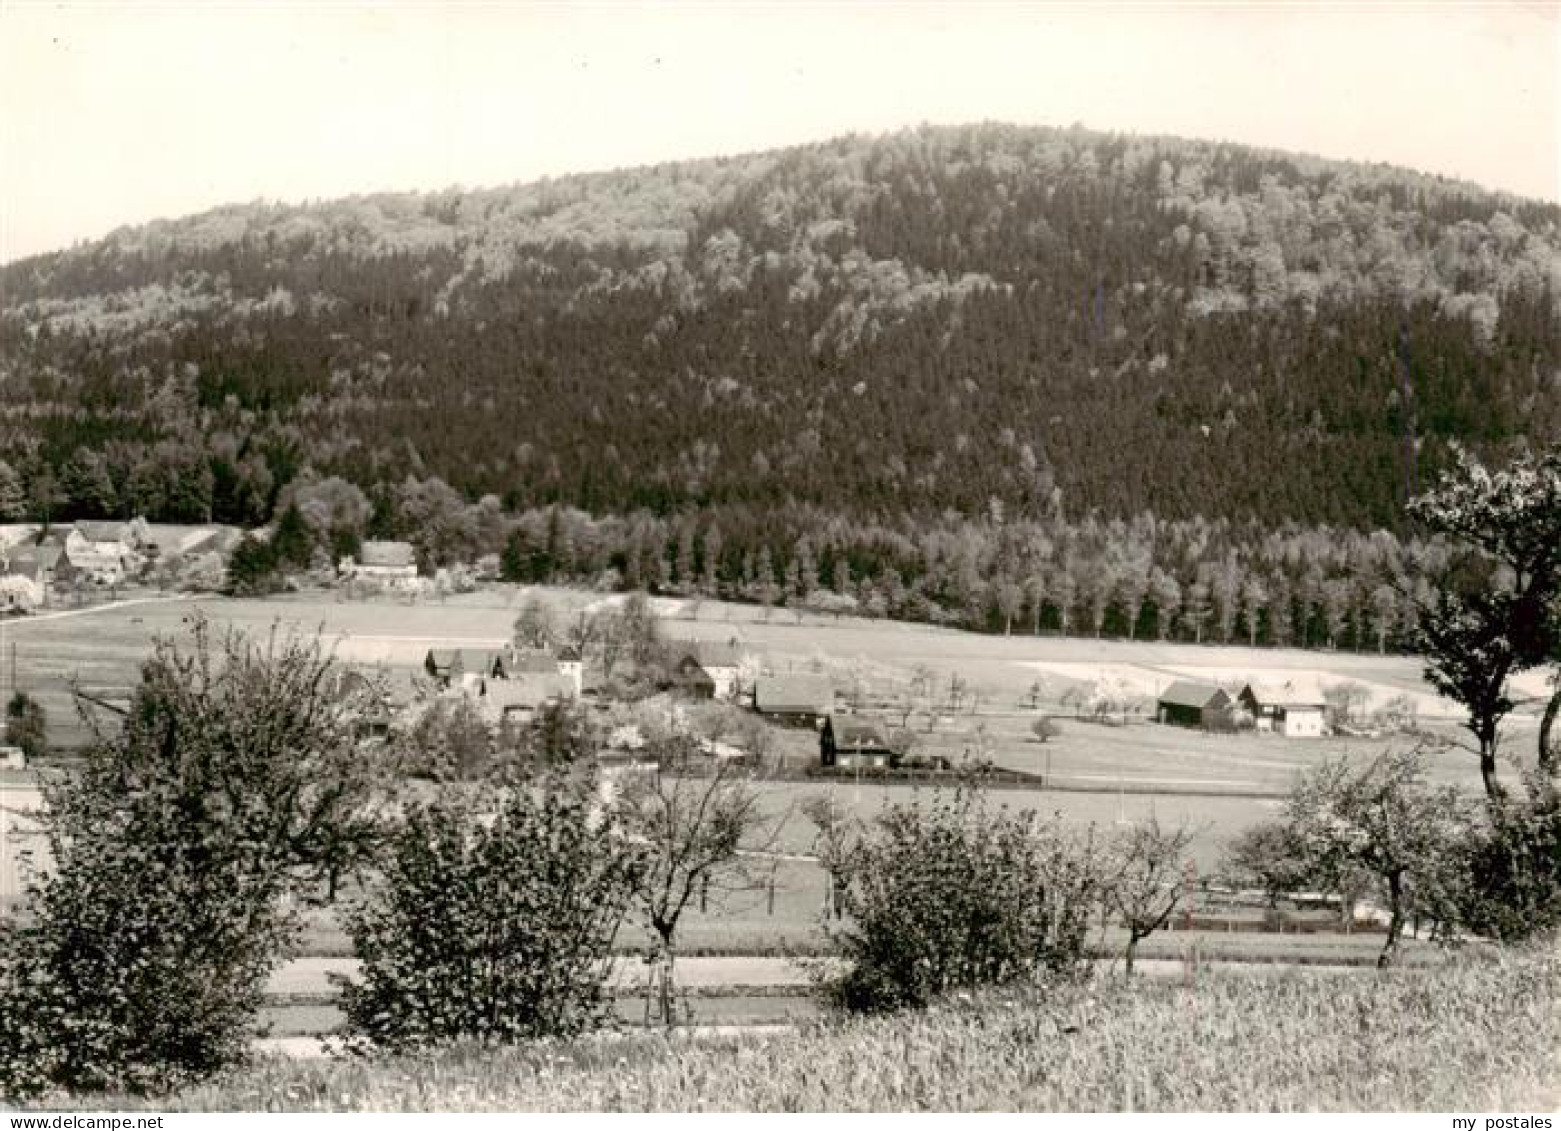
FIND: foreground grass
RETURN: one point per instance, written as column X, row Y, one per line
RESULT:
column 1482, row 1035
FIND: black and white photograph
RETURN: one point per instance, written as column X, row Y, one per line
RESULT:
column 830, row 558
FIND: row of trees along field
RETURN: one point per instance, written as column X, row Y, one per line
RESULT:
column 1192, row 580
column 987, row 322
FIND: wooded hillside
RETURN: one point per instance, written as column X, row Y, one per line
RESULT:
column 945, row 318
column 938, row 327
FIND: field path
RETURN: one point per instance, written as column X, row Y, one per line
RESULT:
column 310, row 975
column 65, row 614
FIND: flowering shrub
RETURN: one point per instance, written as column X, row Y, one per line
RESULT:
column 949, row 894
column 493, row 923
column 147, row 943
column 1513, row 889
column 145, row 964
column 1381, row 820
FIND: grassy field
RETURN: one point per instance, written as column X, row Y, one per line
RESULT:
column 1479, row 1036
column 103, row 647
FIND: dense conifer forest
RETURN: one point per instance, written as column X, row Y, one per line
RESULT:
column 1007, row 377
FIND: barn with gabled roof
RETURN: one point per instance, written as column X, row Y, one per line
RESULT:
column 1187, row 703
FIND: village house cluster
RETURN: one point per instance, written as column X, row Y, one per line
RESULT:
column 41, row 567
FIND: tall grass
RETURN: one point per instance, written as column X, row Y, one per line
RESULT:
column 1479, row 1035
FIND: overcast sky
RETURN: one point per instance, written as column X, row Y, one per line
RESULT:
column 122, row 112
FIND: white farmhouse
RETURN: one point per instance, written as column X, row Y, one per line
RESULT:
column 1295, row 709
column 394, row 563
column 103, row 552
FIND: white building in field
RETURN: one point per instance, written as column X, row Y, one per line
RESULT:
column 394, row 563
column 1295, row 709
column 19, row 594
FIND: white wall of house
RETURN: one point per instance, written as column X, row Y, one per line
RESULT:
column 1302, row 722
column 17, row 592
column 725, row 679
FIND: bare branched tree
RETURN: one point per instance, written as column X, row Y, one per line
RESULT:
column 837, row 831
column 706, row 839
column 1147, row 879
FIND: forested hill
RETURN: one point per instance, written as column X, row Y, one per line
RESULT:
column 986, row 321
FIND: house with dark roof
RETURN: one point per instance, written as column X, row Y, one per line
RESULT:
column 566, row 661
column 451, row 665
column 794, row 700
column 519, row 699
column 690, row 678
column 851, row 741
column 1187, row 703
column 721, row 662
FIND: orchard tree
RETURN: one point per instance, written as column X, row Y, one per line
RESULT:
column 233, row 781
column 1269, row 855
column 1495, row 614
column 1146, row 879
column 1383, row 820
column 27, row 726
column 534, row 625
column 693, row 815
column 493, row 921
column 834, row 840
column 948, row 893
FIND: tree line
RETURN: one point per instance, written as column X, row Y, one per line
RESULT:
column 1194, row 580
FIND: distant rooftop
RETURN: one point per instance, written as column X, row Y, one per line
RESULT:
column 1187, row 693
column 387, row 554
column 793, row 694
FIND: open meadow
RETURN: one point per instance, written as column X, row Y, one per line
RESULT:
column 103, row 646
column 1096, row 774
